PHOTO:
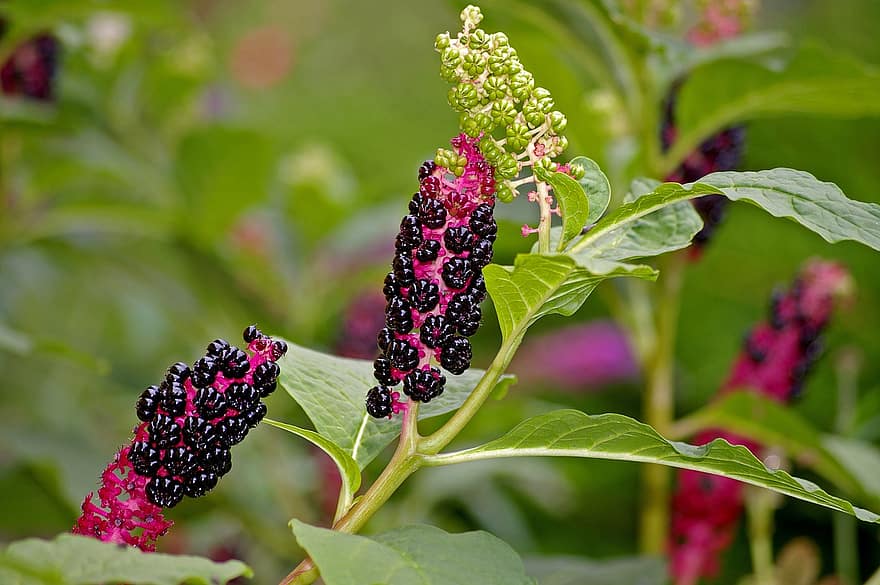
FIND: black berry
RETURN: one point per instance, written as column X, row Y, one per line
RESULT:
column 455, row 355
column 423, row 385
column 164, row 491
column 379, row 402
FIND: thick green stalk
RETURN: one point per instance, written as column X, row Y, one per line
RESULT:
column 845, row 528
column 659, row 404
column 760, row 505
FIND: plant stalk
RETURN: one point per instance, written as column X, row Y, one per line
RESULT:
column 659, row 404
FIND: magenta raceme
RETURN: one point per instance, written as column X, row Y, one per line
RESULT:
column 436, row 284
column 30, row 70
column 189, row 423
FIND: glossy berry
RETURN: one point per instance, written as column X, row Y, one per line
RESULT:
column 144, row 458
column 148, row 403
column 428, row 251
column 435, row 330
column 172, row 398
column 482, row 221
column 424, row 295
column 398, row 315
column 217, row 347
column 390, row 287
column 426, row 169
column 217, row 460
column 199, row 483
column 481, row 253
column 241, row 396
column 457, row 273
column 179, row 461
column 164, row 431
column 198, row 433
column 251, row 333
column 254, row 415
column 456, row 355
column 384, row 338
column 410, row 232
column 423, row 385
column 458, row 239
column 165, row 491
column 210, row 404
column 265, row 377
column 402, row 355
column 232, row 430
column 279, row 349
column 382, row 371
column 234, row 363
column 177, row 372
column 204, row 371
column 379, row 402
column 432, row 213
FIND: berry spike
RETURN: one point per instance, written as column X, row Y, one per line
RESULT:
column 181, row 446
column 776, row 356
column 433, row 299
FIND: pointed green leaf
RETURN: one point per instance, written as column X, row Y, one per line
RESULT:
column 412, row 555
column 595, row 184
column 80, row 560
column 817, row 205
column 573, row 205
column 348, row 467
column 815, row 81
column 539, row 285
column 570, row 433
column 331, row 390
column 762, row 419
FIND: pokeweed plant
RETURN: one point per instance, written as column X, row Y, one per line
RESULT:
column 510, row 144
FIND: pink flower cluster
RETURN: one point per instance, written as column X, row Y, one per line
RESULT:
column 776, row 357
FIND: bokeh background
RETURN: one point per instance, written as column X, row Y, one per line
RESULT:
column 207, row 164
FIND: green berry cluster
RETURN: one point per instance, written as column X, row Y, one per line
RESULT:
column 498, row 100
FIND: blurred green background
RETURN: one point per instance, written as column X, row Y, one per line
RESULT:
column 211, row 163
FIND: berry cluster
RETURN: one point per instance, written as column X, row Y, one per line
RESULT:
column 436, row 286
column 721, row 152
column 776, row 357
column 499, row 102
column 189, row 422
column 30, row 70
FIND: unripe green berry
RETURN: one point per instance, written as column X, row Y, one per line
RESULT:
column 577, row 171
column 532, row 113
column 479, row 40
column 558, row 121
column 484, row 121
column 442, row 41
column 517, row 137
column 544, row 99
column 449, row 74
column 495, row 88
column 504, row 192
column 450, row 57
column 514, row 67
column 471, row 16
column 444, row 157
column 474, row 64
column 503, row 112
column 491, row 151
column 507, row 167
column 521, row 85
column 497, row 64
column 500, row 39
column 465, row 96
column 469, row 125
column 458, row 164
column 561, row 144
column 546, row 164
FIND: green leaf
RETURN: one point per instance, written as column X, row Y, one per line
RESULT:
column 570, row 433
column 348, row 467
column 79, row 560
column 412, row 555
column 573, row 204
column 817, row 205
column 539, row 285
column 764, row 420
column 331, row 390
column 814, row 81
column 595, row 184
column 578, row 571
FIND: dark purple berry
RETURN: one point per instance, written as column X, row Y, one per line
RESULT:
column 217, row 347
column 172, row 398
column 428, row 251
column 482, row 222
column 199, row 483
column 279, row 348
column 198, row 433
column 232, row 430
column 204, row 372
column 251, row 333
column 144, row 459
column 241, row 396
column 384, row 338
column 423, row 385
column 177, row 372
column 424, row 295
column 457, row 272
column 147, row 403
column 481, row 253
column 426, row 169
column 402, row 355
column 458, row 239
column 398, row 315
column 253, row 416
column 217, row 460
column 477, row 289
column 209, row 403
column 455, row 355
column 235, row 363
column 432, row 213
column 410, row 235
column 164, row 431
column 164, row 491
column 179, row 461
column 414, row 203
column 435, row 330
column 382, row 371
column 391, row 287
column 266, row 378
column 379, row 402
column 403, row 269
